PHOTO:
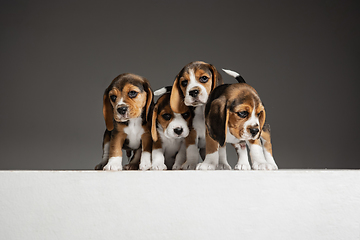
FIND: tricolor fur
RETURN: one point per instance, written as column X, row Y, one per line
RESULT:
column 235, row 114
column 127, row 106
column 191, row 88
column 169, row 130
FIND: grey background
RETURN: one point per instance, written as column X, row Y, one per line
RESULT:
column 57, row 58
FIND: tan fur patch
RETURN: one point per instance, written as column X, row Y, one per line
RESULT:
column 164, row 123
column 191, row 138
column 200, row 69
column 163, row 107
column 267, row 145
column 211, row 145
column 235, row 124
column 146, row 140
column 135, row 104
column 201, row 73
column 256, row 141
column 116, row 143
column 198, row 74
column 242, row 97
column 157, row 144
column 177, row 98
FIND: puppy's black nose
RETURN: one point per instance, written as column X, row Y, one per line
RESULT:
column 178, row 130
column 122, row 110
column 254, row 131
column 194, row 93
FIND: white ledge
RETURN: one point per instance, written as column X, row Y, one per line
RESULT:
column 282, row 204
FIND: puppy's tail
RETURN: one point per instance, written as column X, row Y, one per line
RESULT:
column 237, row 76
column 163, row 90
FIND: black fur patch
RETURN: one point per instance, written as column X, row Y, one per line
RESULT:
column 214, row 95
column 215, row 120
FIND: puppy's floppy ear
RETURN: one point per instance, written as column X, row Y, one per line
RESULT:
column 177, row 97
column 108, row 111
column 217, row 79
column 149, row 99
column 217, row 120
column 154, row 134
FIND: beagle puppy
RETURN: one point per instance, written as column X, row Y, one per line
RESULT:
column 168, row 131
column 127, row 106
column 235, row 114
column 191, row 88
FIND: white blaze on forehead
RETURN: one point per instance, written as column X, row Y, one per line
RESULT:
column 121, row 101
column 178, row 121
column 192, row 82
column 178, row 117
column 254, row 119
column 192, row 75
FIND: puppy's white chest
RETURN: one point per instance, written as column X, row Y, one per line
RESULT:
column 134, row 131
column 199, row 125
column 171, row 146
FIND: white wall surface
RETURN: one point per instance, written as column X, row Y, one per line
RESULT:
column 180, row 205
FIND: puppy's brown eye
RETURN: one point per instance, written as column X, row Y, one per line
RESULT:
column 132, row 94
column 203, row 79
column 113, row 98
column 184, row 83
column 243, row 114
column 166, row 116
column 185, row 115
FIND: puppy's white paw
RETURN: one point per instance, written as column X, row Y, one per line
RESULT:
column 145, row 165
column 114, row 164
column 158, row 160
column 145, row 162
column 205, row 166
column 223, row 166
column 275, row 167
column 188, row 166
column 242, row 166
column 158, row 166
column 263, row 166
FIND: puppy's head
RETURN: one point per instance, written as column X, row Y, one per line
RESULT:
column 193, row 85
column 128, row 96
column 236, row 110
column 173, row 125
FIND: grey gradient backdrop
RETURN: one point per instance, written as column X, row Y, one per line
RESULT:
column 57, row 57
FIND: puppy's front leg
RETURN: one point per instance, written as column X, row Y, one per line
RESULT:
column 192, row 152
column 115, row 151
column 106, row 150
column 267, row 146
column 158, row 159
column 212, row 155
column 223, row 163
column 145, row 160
column 180, row 157
column 243, row 162
column 258, row 160
column 135, row 160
